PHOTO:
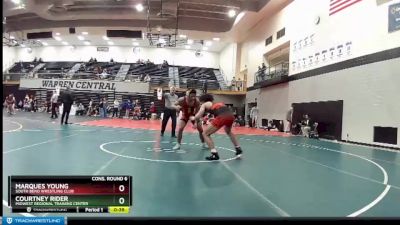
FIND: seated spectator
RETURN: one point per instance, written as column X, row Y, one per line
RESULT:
column 239, row 121
column 104, row 74
column 81, row 110
column 111, row 60
column 35, row 60
column 306, row 126
column 20, row 104
column 147, row 78
column 137, row 110
column 271, row 126
column 95, row 60
column 153, row 111
column 40, row 60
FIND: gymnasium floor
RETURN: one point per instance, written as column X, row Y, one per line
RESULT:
column 277, row 175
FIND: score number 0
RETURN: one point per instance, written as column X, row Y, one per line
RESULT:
column 121, row 200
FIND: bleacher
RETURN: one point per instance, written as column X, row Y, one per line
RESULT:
column 189, row 77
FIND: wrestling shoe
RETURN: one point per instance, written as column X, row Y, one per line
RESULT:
column 213, row 156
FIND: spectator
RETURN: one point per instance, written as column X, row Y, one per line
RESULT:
column 233, row 84
column 90, row 107
column 40, row 60
column 111, row 60
column 35, row 60
column 116, row 105
column 239, row 121
column 153, row 111
column 239, row 85
column 289, row 116
column 137, row 110
column 26, row 104
column 103, row 107
column 81, row 110
column 10, row 104
column 306, row 125
column 54, row 105
column 20, row 104
column 254, row 116
column 104, row 75
column 95, row 60
column 147, row 78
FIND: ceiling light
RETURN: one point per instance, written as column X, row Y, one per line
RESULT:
column 208, row 43
column 81, row 38
column 187, row 46
column 85, row 33
column 64, row 43
column 106, row 38
column 205, row 48
column 12, row 37
column 44, row 43
column 17, row 2
column 190, row 41
column 22, row 45
column 58, row 38
column 232, row 13
column 110, row 43
column 216, row 39
column 139, row 7
column 182, row 36
column 135, row 44
column 86, row 42
column 57, row 34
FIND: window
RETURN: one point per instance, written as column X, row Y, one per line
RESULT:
column 280, row 33
column 268, row 41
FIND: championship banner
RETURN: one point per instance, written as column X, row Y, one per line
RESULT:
column 86, row 85
column 394, row 17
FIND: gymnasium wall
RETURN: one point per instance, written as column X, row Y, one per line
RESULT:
column 227, row 61
column 364, row 24
column 370, row 94
column 272, row 101
column 120, row 54
column 9, row 57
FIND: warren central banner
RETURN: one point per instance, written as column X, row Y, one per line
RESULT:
column 86, row 85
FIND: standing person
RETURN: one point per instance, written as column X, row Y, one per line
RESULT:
column 254, row 116
column 289, row 116
column 10, row 104
column 53, row 102
column 67, row 99
column 169, row 111
column 105, row 105
column 116, row 105
column 90, row 108
column 223, row 118
column 189, row 105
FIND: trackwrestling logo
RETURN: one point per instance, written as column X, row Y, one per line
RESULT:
column 9, row 220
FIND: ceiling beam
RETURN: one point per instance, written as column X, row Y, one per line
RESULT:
column 221, row 3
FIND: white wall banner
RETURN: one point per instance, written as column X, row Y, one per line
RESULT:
column 87, row 85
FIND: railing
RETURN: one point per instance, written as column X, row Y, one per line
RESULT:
column 278, row 70
column 13, row 76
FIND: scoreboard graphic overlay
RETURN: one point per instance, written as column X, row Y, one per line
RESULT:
column 70, row 194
